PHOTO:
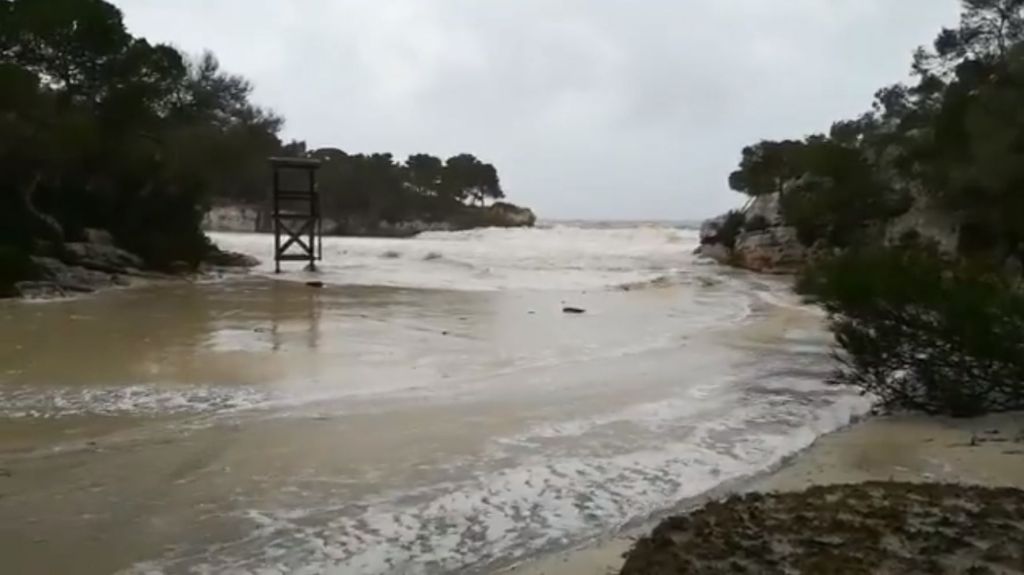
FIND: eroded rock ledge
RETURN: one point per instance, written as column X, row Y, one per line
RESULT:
column 96, row 264
column 758, row 240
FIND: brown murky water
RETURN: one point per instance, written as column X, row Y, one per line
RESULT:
column 263, row 426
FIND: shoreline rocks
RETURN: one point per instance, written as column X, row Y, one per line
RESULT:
column 256, row 219
column 754, row 239
column 757, row 238
column 59, row 271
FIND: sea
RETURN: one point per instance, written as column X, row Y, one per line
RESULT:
column 430, row 409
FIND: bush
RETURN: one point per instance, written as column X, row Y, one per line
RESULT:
column 922, row 334
column 730, row 229
column 757, row 223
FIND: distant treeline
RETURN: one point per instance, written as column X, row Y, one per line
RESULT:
column 377, row 188
column 102, row 129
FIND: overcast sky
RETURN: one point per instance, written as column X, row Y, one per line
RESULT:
column 624, row 109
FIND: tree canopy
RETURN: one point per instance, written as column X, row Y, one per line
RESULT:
column 103, row 129
column 956, row 136
column 918, row 328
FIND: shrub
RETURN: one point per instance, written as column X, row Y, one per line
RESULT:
column 730, row 229
column 922, row 334
column 757, row 223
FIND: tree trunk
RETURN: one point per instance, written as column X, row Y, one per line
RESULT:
column 41, row 225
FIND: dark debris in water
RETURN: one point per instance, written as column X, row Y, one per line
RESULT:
column 870, row 528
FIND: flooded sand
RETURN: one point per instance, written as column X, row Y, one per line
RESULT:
column 261, row 426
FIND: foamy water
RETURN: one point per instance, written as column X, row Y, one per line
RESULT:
column 555, row 258
column 432, row 410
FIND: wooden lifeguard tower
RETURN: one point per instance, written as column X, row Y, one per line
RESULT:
column 296, row 212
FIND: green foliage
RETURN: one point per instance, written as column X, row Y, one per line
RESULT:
column 988, row 29
column 102, row 129
column 923, row 334
column 838, row 196
column 376, row 188
column 766, row 167
column 956, row 136
column 757, row 223
column 465, row 177
column 917, row 331
column 730, row 229
column 828, row 188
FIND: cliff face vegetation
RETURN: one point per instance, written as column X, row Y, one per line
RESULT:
column 940, row 160
column 907, row 223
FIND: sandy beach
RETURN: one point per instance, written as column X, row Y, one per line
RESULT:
column 988, row 451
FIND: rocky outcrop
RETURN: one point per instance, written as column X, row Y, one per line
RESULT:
column 767, row 209
column 755, row 239
column 225, row 259
column 236, row 218
column 33, row 290
column 58, row 270
column 774, row 250
column 765, row 244
column 82, row 268
column 101, row 257
column 507, row 215
column 252, row 218
column 76, row 278
column 924, row 221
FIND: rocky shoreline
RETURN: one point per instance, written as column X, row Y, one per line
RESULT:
column 98, row 264
column 754, row 238
column 251, row 218
column 757, row 238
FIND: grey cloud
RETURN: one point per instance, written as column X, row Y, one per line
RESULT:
column 589, row 108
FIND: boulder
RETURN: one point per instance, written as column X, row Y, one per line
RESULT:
column 237, row 218
column 927, row 222
column 74, row 278
column 770, row 247
column 226, row 259
column 512, row 216
column 97, row 236
column 775, row 250
column 39, row 290
column 716, row 252
column 710, row 228
column 101, row 257
column 766, row 208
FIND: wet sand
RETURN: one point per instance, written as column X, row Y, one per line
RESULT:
column 988, row 451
